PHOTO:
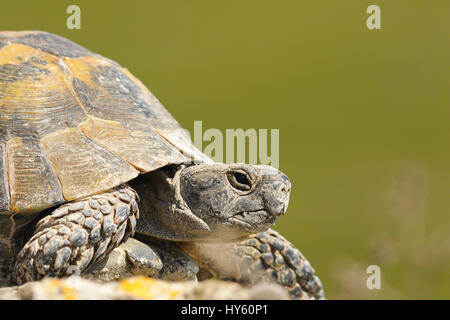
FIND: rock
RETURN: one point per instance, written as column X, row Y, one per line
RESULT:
column 138, row 288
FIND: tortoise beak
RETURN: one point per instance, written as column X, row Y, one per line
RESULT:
column 277, row 189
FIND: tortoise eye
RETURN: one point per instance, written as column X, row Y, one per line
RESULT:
column 240, row 180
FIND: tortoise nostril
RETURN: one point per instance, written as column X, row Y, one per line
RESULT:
column 283, row 190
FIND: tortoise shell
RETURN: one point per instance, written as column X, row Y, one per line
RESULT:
column 73, row 123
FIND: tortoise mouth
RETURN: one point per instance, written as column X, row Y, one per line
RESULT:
column 255, row 220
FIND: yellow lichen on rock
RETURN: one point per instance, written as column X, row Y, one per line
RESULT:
column 67, row 292
column 149, row 289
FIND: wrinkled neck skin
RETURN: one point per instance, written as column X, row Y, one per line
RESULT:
column 163, row 212
column 210, row 202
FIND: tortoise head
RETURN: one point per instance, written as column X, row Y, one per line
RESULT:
column 212, row 201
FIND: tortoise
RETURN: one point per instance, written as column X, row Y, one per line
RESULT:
column 94, row 167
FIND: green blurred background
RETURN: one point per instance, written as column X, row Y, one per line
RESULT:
column 363, row 114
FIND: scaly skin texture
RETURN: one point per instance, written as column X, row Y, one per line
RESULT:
column 157, row 259
column 266, row 256
column 282, row 263
column 78, row 234
column 206, row 202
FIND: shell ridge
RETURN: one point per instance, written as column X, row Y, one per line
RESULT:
column 43, row 190
column 104, row 147
column 106, row 132
column 119, row 167
column 69, row 83
column 5, row 176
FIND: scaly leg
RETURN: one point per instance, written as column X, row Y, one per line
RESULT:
column 155, row 258
column 78, row 234
column 267, row 256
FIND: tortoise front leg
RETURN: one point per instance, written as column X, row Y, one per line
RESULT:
column 267, row 257
column 78, row 234
column 273, row 258
column 155, row 258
